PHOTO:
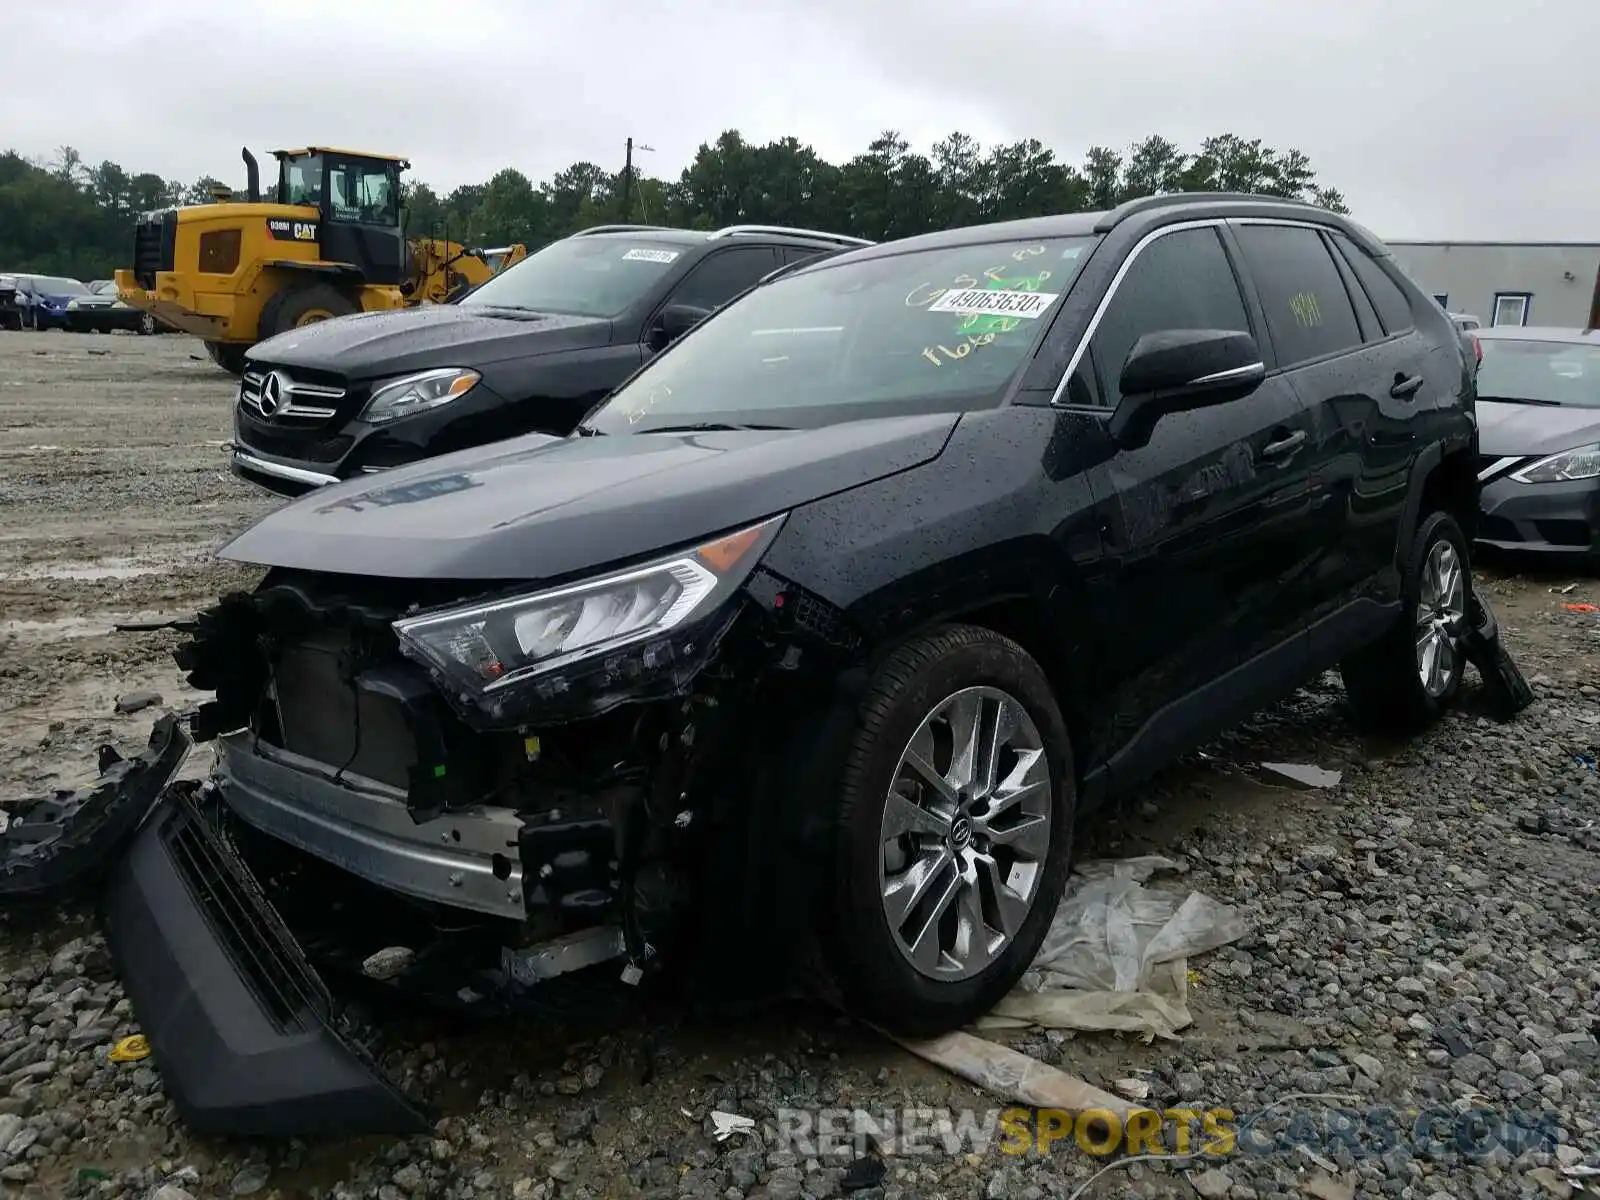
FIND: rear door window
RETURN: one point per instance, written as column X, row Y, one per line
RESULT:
column 724, row 274
column 1308, row 311
column 794, row 254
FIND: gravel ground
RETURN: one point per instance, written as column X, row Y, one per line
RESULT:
column 1422, row 936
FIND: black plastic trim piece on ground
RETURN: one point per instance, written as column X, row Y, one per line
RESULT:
column 240, row 1026
column 51, row 843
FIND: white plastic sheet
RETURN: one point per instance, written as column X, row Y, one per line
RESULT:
column 1117, row 954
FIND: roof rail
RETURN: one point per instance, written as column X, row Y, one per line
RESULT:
column 816, row 234
column 615, row 229
column 1145, row 203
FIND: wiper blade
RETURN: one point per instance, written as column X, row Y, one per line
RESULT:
column 589, row 431
column 1521, row 400
column 708, row 427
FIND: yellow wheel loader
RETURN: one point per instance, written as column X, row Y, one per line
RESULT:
column 327, row 242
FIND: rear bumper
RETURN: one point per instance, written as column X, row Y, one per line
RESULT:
column 245, row 1033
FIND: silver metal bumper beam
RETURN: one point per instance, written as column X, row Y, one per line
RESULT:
column 262, row 466
column 364, row 827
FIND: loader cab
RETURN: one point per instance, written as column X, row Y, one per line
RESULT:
column 357, row 198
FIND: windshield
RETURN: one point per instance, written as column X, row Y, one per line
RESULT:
column 51, row 286
column 1566, row 373
column 580, row 277
column 928, row 331
column 300, row 180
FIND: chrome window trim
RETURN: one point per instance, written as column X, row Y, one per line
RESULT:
column 1231, row 375
column 1111, row 294
column 1127, row 265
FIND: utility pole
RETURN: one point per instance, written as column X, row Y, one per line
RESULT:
column 627, row 180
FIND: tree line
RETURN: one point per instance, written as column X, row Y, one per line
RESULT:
column 65, row 217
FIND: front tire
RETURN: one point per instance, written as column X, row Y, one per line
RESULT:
column 954, row 833
column 227, row 355
column 1404, row 681
column 147, row 324
column 305, row 305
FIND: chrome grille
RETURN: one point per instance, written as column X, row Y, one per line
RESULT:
column 291, row 400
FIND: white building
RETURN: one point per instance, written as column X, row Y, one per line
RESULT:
column 1509, row 283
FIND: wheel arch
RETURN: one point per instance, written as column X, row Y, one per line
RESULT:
column 297, row 278
column 1025, row 621
column 286, row 277
column 1444, row 479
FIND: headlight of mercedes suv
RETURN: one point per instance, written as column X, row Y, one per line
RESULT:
column 418, row 393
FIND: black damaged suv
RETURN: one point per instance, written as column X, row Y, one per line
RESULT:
column 820, row 632
column 529, row 351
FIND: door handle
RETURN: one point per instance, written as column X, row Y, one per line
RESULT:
column 1404, row 388
column 1284, row 447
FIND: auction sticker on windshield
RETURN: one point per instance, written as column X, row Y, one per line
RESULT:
column 985, row 302
column 650, row 256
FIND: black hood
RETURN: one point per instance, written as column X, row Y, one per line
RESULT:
column 537, row 507
column 1515, row 429
column 435, row 335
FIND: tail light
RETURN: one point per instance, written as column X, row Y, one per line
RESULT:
column 1477, row 348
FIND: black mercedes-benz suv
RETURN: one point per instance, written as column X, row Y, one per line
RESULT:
column 529, row 351
column 819, row 633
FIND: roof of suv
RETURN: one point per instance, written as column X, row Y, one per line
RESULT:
column 779, row 234
column 1147, row 211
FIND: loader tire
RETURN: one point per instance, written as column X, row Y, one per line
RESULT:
column 227, row 355
column 304, row 305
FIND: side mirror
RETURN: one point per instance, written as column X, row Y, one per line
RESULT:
column 1177, row 370
column 675, row 321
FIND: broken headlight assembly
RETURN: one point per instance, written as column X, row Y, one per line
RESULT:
column 582, row 648
column 1583, row 462
column 418, row 393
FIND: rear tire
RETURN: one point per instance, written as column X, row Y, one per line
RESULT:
column 1385, row 681
column 227, row 355
column 966, row 845
column 304, row 305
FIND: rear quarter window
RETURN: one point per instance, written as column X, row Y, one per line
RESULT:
column 1394, row 309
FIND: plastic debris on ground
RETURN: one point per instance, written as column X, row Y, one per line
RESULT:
column 130, row 1049
column 1002, row 1071
column 725, row 1124
column 1302, row 774
column 1117, row 954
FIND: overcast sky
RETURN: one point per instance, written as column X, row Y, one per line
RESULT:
column 1436, row 118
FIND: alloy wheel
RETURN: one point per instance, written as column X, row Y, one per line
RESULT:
column 965, row 833
column 1441, row 604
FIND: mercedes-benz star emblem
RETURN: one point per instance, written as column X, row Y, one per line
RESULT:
column 272, row 397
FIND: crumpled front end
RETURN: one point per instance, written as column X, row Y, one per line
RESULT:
column 375, row 816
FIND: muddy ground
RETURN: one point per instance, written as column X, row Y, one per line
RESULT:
column 113, row 492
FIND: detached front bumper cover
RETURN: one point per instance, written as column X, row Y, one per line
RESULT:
column 248, row 1039
column 50, row 843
